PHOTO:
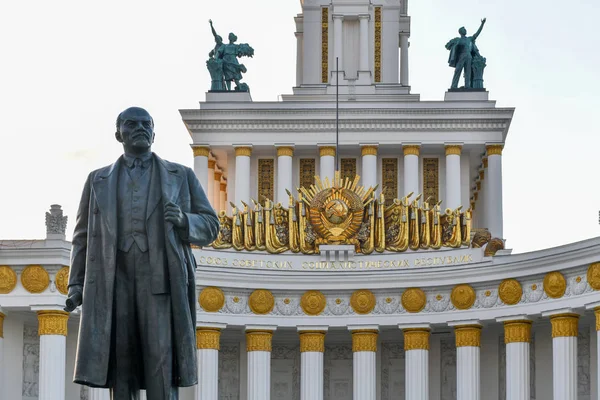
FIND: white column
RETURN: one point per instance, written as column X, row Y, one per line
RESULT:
column 404, row 59
column 468, row 343
column 453, row 184
column 208, row 345
column 338, row 45
column 53, row 337
column 217, row 190
column 242, row 175
column 564, row 355
column 299, row 57
column 258, row 347
column 364, row 365
column 284, row 173
column 369, row 165
column 517, row 335
column 483, row 189
column 201, row 164
column 223, row 195
column 327, row 163
column 1, row 348
column 98, row 394
column 364, row 42
column 312, row 347
column 597, row 312
column 411, row 169
column 494, row 190
column 210, row 184
column 416, row 350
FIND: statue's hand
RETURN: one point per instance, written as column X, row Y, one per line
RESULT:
column 74, row 299
column 483, row 21
column 210, row 21
column 174, row 215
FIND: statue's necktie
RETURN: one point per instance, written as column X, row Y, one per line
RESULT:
column 136, row 170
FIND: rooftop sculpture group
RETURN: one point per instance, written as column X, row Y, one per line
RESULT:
column 223, row 64
column 464, row 56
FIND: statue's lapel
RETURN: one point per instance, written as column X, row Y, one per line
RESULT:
column 154, row 193
column 171, row 180
column 105, row 190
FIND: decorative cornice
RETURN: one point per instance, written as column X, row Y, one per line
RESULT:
column 416, row 339
column 468, row 335
column 285, row 151
column 517, row 331
column 258, row 340
column 312, row 341
column 208, row 338
column 327, row 151
column 243, row 151
column 364, row 340
column 211, row 164
column 201, row 151
column 453, row 149
column 564, row 325
column 52, row 322
column 411, row 149
column 494, row 149
column 368, row 150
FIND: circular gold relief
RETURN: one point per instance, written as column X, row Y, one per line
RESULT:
column 35, row 279
column 8, row 279
column 313, row 302
column 261, row 301
column 555, row 284
column 62, row 280
column 510, row 291
column 463, row 297
column 211, row 299
column 363, row 301
column 414, row 300
column 593, row 276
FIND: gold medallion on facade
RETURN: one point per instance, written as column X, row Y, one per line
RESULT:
column 8, row 279
column 555, row 284
column 261, row 301
column 510, row 291
column 414, row 300
column 211, row 299
column 593, row 276
column 463, row 297
column 363, row 301
column 62, row 280
column 313, row 302
column 35, row 279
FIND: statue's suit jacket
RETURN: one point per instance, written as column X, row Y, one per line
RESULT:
column 93, row 263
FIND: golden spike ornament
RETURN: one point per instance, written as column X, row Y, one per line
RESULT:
column 340, row 211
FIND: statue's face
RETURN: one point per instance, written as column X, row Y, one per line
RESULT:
column 136, row 130
column 462, row 31
column 232, row 37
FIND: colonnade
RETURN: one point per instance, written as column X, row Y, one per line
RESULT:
column 517, row 333
column 487, row 193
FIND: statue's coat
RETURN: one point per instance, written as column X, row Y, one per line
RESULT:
column 93, row 263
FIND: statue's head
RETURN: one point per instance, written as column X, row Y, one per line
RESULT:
column 219, row 39
column 135, row 130
column 232, row 37
column 462, row 31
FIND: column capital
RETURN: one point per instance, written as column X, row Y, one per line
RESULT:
column 258, row 340
column 201, row 151
column 416, row 338
column 364, row 338
column 564, row 325
column 337, row 16
column 52, row 322
column 368, row 149
column 326, row 151
column 517, row 331
column 285, row 151
column 208, row 338
column 484, row 162
column 481, row 174
column 223, row 186
column 494, row 149
column 411, row 149
column 212, row 164
column 312, row 341
column 2, row 325
column 468, row 335
column 453, row 149
column 243, row 151
column 364, row 16
column 218, row 175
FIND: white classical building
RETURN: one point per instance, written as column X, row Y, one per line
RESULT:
column 337, row 273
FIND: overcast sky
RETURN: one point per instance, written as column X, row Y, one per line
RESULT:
column 68, row 67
